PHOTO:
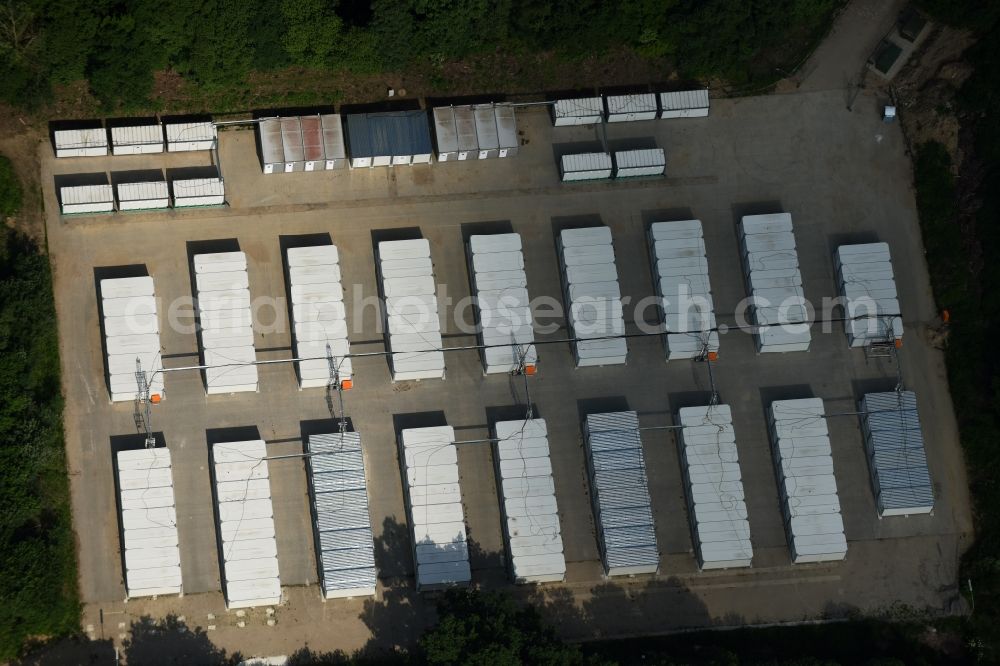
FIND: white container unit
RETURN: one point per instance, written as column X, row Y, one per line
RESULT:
column 412, row 323
column 245, row 519
column 190, row 136
column 486, row 132
column 429, row 460
column 131, row 335
column 149, row 523
column 272, row 151
column 291, row 143
column 590, row 287
column 319, row 320
column 684, row 104
column 87, row 142
column 345, row 552
column 528, row 501
column 192, row 192
column 225, row 312
column 334, row 149
column 138, row 139
column 713, row 486
column 680, row 271
column 897, row 460
column 581, row 111
column 150, row 195
column 500, row 289
column 868, row 289
column 446, row 134
column 803, row 462
column 585, row 166
column 625, row 108
column 771, row 271
column 82, row 199
column 643, row 162
column 619, row 492
column 507, row 130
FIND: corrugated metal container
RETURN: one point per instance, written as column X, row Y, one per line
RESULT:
column 714, row 487
column 188, row 136
column 585, row 166
column 434, row 504
column 620, row 495
column 141, row 138
column 318, row 326
column 897, row 460
column 87, row 142
column 150, row 551
column 345, row 553
column 644, row 162
column 86, row 199
column 581, row 111
column 312, row 143
column 445, row 133
column 868, row 290
column 684, row 104
column 624, row 108
column 465, row 124
column 292, row 145
column 486, row 132
column 224, row 311
column 507, row 135
column 198, row 192
column 590, row 285
column 496, row 266
column 143, row 196
column 530, row 513
column 272, row 152
column 247, row 545
column 334, row 150
column 389, row 139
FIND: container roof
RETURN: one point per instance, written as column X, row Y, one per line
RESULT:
column 389, row 134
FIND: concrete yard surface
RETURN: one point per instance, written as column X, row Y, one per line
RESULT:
column 843, row 176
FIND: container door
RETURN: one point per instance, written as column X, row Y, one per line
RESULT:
column 268, row 168
column 503, row 152
column 310, row 166
column 464, row 155
column 290, row 167
column 483, row 154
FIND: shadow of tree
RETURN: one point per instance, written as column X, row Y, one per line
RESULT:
column 170, row 641
column 73, row 650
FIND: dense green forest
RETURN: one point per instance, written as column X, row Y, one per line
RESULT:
column 37, row 568
column 215, row 44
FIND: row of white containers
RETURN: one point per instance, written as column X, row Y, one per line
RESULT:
column 345, row 554
column 151, row 554
column 622, row 164
column 140, row 138
column 528, row 501
column 619, row 493
column 411, row 319
column 475, row 132
column 803, row 462
column 624, row 108
column 224, row 309
column 680, row 271
column 593, row 296
column 500, row 290
column 245, row 521
column 713, row 486
column 429, row 464
column 148, row 195
column 771, row 271
column 319, row 318
column 868, row 287
column 131, row 336
column 897, row 460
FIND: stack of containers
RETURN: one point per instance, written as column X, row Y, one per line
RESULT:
column 345, row 553
column 868, row 288
column 226, row 322
column 149, row 523
column 590, row 280
column 412, row 324
column 714, row 487
column 680, row 269
column 803, row 462
column 132, row 332
column 496, row 265
column 434, row 501
column 528, row 501
column 619, row 493
column 318, row 315
column 249, row 551
column 771, row 270
column 897, row 460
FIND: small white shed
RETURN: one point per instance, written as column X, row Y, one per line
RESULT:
column 198, row 192
column 585, row 166
column 684, row 104
column 291, row 142
column 335, row 153
column 507, row 130
column 272, row 154
column 486, row 132
column 138, row 137
column 625, row 108
column 81, row 142
column 78, row 199
column 147, row 195
column 581, row 111
column 188, row 136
